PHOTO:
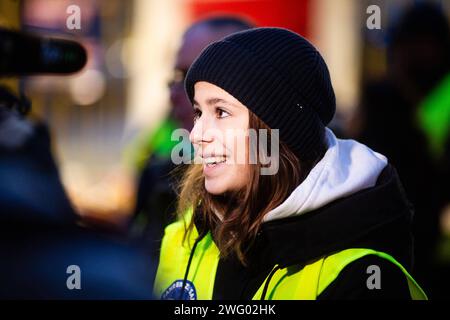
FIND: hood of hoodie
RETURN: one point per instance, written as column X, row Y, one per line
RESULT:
column 346, row 168
column 351, row 199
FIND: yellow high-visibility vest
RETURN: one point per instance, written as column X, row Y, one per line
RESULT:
column 291, row 283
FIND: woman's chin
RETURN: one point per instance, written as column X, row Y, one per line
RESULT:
column 215, row 188
column 225, row 183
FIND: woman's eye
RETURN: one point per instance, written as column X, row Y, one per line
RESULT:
column 222, row 113
column 197, row 114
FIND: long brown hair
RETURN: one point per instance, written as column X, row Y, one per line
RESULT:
column 242, row 212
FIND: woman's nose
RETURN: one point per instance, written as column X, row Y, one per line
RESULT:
column 201, row 132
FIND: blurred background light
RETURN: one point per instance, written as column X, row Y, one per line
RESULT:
column 88, row 87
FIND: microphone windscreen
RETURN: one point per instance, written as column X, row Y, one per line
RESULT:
column 25, row 54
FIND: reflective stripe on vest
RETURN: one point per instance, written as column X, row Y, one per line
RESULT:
column 174, row 259
column 309, row 282
column 291, row 283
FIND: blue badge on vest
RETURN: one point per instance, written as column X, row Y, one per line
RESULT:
column 173, row 292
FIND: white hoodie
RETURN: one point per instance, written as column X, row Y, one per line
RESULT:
column 346, row 168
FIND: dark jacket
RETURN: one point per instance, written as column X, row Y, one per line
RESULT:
column 378, row 218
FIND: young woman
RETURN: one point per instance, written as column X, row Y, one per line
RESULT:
column 324, row 218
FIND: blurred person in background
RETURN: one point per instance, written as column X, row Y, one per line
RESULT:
column 395, row 115
column 41, row 240
column 156, row 198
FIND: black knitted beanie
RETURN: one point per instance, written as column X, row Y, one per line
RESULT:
column 279, row 76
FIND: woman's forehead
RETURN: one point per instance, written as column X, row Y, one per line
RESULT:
column 209, row 94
